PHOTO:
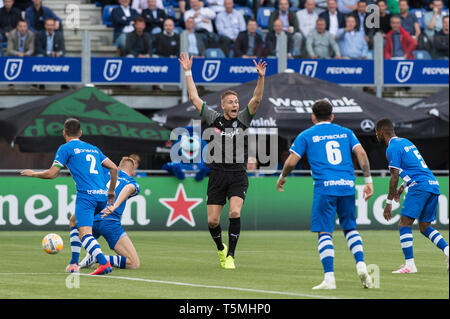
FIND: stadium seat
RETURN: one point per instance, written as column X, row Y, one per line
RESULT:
column 262, row 16
column 421, row 55
column 246, row 11
column 419, row 13
column 170, row 11
column 107, row 14
column 215, row 53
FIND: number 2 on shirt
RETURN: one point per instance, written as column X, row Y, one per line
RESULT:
column 91, row 158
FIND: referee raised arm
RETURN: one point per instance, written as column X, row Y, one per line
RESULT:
column 228, row 178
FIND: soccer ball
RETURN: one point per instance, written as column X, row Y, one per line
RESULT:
column 52, row 243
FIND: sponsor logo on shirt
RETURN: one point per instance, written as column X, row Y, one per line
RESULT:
column 317, row 138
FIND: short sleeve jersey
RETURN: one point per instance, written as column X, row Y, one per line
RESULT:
column 403, row 155
column 328, row 148
column 227, row 139
column 85, row 164
column 123, row 179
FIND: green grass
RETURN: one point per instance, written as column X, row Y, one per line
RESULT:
column 267, row 262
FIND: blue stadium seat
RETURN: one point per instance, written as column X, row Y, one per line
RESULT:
column 170, row 11
column 107, row 14
column 419, row 13
column 421, row 55
column 215, row 53
column 246, row 11
column 262, row 16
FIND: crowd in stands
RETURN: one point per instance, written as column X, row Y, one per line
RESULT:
column 243, row 28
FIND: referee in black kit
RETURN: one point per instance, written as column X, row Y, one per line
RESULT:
column 228, row 176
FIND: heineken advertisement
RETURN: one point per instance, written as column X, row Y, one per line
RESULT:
column 166, row 203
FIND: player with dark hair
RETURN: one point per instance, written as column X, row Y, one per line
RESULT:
column 422, row 199
column 85, row 163
column 108, row 223
column 228, row 178
column 329, row 149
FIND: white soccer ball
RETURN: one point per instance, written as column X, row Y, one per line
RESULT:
column 52, row 243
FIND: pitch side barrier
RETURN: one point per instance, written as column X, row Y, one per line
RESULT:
column 167, row 203
column 207, row 71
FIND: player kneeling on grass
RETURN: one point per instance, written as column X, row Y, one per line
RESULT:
column 329, row 149
column 107, row 223
column 421, row 201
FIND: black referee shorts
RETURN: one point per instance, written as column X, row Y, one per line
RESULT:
column 226, row 184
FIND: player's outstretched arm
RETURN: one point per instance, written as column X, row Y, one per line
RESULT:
column 186, row 64
column 364, row 164
column 50, row 173
column 259, row 90
column 124, row 194
column 113, row 171
column 289, row 165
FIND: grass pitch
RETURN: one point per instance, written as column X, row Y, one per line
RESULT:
column 180, row 265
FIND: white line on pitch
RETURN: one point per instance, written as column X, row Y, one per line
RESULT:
column 187, row 284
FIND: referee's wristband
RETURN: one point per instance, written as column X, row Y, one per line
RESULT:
column 368, row 180
column 388, row 201
column 187, row 73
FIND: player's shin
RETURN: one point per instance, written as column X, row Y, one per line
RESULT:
column 216, row 234
column 354, row 243
column 436, row 238
column 326, row 254
column 233, row 235
column 406, row 242
column 117, row 261
column 75, row 245
column 93, row 248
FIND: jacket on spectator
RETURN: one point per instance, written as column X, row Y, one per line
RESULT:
column 407, row 41
column 151, row 21
column 136, row 44
column 41, row 43
column 241, row 45
column 8, row 20
column 120, row 21
column 167, row 46
column 292, row 17
column 440, row 44
column 270, row 48
column 13, row 43
column 36, row 20
column 340, row 17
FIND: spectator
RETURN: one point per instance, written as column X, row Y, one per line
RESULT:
column 216, row 5
column 122, row 19
column 138, row 43
column 352, row 44
column 399, row 43
column 393, row 7
column 249, row 44
column 307, row 18
column 22, row 5
column 203, row 18
column 360, row 15
column 320, row 43
column 347, row 6
column 409, row 20
column 432, row 20
column 167, row 43
column 141, row 5
column 154, row 17
column 196, row 45
column 228, row 24
column 440, row 41
column 267, row 3
column 271, row 42
column 290, row 24
column 49, row 42
column 385, row 18
column 333, row 18
column 37, row 14
column 9, row 16
column 20, row 41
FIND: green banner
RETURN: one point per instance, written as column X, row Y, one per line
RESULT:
column 166, row 203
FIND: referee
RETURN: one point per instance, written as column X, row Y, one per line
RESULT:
column 227, row 178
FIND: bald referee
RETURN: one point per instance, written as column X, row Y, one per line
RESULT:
column 228, row 178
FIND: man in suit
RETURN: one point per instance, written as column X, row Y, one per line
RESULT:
column 20, row 41
column 270, row 48
column 249, row 44
column 37, row 14
column 122, row 18
column 50, row 42
column 333, row 18
column 154, row 17
column 196, row 45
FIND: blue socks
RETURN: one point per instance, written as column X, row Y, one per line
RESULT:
column 117, row 261
column 354, row 243
column 436, row 238
column 75, row 245
column 93, row 248
column 326, row 252
column 406, row 242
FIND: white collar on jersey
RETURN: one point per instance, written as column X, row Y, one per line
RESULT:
column 392, row 139
column 323, row 122
column 75, row 139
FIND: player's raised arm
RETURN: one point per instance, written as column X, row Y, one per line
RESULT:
column 364, row 164
column 259, row 90
column 113, row 171
column 186, row 64
column 50, row 173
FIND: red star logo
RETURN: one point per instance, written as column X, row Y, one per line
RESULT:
column 180, row 207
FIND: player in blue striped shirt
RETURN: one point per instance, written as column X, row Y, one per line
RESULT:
column 329, row 149
column 85, row 163
column 421, row 201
